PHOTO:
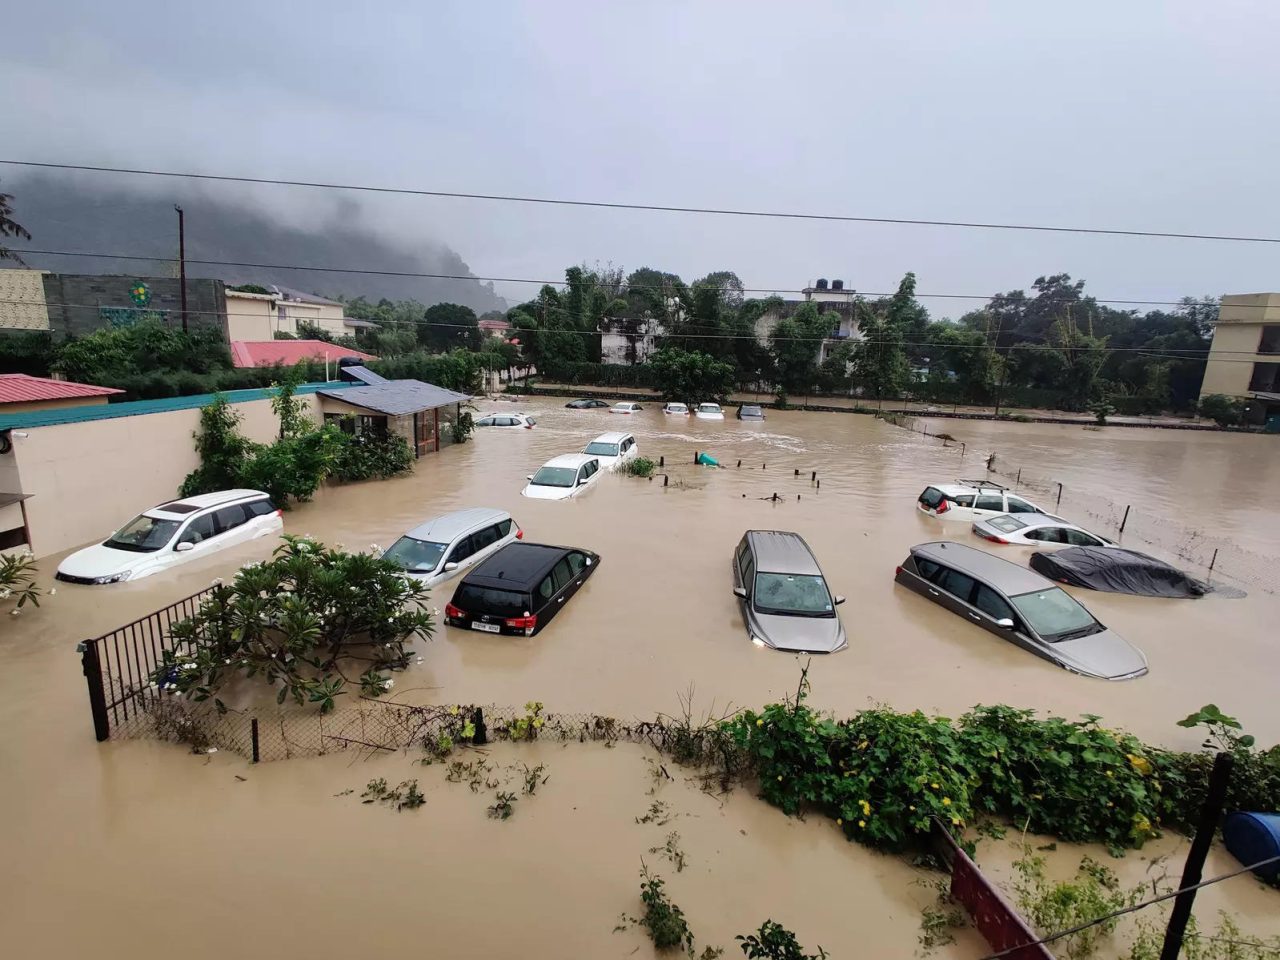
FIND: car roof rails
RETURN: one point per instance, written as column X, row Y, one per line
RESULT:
column 984, row 484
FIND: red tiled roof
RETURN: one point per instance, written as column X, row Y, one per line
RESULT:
column 21, row 388
column 265, row 353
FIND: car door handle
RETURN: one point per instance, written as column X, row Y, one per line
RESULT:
column 561, row 600
column 974, row 616
column 933, row 593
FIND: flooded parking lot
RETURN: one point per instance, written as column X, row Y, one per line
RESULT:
column 148, row 837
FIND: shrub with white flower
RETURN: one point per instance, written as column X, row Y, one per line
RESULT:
column 18, row 580
column 311, row 619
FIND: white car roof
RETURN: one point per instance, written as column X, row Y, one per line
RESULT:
column 611, row 437
column 444, row 528
column 501, row 413
column 627, row 403
column 701, row 405
column 1034, row 521
column 185, row 507
column 574, row 460
column 968, row 486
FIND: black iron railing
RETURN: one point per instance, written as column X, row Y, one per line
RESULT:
column 120, row 666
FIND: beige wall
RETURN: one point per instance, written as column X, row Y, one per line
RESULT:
column 86, row 479
column 1235, row 342
column 52, row 404
column 22, row 304
column 252, row 316
column 324, row 316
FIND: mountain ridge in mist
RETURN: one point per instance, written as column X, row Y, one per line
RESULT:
column 86, row 217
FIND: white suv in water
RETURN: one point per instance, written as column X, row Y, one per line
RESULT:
column 971, row 500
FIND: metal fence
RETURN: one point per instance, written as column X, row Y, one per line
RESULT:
column 1214, row 556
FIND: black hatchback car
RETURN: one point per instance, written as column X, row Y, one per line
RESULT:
column 520, row 588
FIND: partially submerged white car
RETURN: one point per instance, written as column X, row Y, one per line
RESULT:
column 444, row 546
column 563, row 477
column 174, row 533
column 1037, row 530
column 626, row 406
column 676, row 409
column 709, row 411
column 971, row 500
column 517, row 420
column 612, row 449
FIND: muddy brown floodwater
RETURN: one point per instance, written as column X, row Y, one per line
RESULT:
column 138, row 849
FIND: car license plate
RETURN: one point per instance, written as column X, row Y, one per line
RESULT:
column 486, row 627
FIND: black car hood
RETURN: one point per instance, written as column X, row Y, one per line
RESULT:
column 1116, row 570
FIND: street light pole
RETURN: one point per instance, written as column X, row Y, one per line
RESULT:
column 182, row 264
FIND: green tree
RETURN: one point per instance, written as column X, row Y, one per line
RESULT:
column 1223, row 410
column 795, row 345
column 10, row 228
column 690, row 376
column 447, row 326
column 110, row 355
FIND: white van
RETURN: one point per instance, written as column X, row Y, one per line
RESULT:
column 445, row 546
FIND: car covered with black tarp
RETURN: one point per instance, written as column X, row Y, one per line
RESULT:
column 1117, row 570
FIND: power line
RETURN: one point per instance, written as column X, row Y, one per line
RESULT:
column 1170, row 354
column 994, row 298
column 661, row 208
column 1129, row 909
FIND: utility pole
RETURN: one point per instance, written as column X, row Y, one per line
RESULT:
column 182, row 264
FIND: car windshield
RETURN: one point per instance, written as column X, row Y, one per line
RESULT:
column 751, row 410
column 1054, row 615
column 144, row 534
column 709, row 407
column 530, row 421
column 602, row 449
column 499, row 603
column 790, row 594
column 416, row 556
column 555, row 477
column 1006, row 524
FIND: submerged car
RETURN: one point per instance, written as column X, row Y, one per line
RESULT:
column 709, row 411
column 444, row 546
column 1117, row 570
column 563, row 477
column 1020, row 606
column 676, row 409
column 971, row 500
column 783, row 595
column 520, row 588
column 612, row 449
column 1036, row 530
column 626, row 407
column 750, row 411
column 172, row 534
column 586, row 404
column 518, row 420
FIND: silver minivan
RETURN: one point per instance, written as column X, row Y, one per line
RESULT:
column 1019, row 605
column 445, row 546
column 783, row 595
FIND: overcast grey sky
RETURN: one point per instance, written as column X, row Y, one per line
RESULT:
column 1134, row 114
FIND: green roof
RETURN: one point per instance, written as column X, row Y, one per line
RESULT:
column 134, row 408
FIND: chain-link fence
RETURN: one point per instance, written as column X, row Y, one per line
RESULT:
column 1212, row 555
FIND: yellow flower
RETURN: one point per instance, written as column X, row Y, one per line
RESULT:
column 760, row 722
column 1037, row 796
column 1110, row 774
column 946, row 801
column 1141, row 764
column 934, row 785
column 538, row 722
column 1110, row 804
column 863, row 745
column 453, row 711
column 839, row 822
column 866, row 808
column 913, row 806
column 955, row 821
column 779, row 778
column 862, row 823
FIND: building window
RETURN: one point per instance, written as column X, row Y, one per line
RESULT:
column 1266, row 378
column 1270, row 341
column 371, row 426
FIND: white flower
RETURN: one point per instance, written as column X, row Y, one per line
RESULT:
column 227, row 662
column 6, row 593
column 388, row 683
column 212, row 750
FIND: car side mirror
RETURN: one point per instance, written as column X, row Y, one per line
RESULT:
column 529, row 476
column 450, row 566
column 1004, row 623
column 581, row 481
column 184, row 546
column 740, row 592
column 839, row 600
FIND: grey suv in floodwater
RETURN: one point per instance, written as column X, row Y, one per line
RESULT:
column 784, row 597
column 1021, row 606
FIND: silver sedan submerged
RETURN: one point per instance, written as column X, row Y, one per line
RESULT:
column 1021, row 606
column 784, row 597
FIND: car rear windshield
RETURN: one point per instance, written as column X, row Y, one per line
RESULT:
column 602, row 449
column 555, row 477
column 1007, row 524
column 1055, row 615
column 751, row 410
column 792, row 594
column 416, row 556
column 709, row 407
column 931, row 497
column 497, row 603
column 144, row 534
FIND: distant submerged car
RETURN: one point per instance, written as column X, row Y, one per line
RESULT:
column 750, row 411
column 625, row 407
column 586, row 404
column 709, row 411
column 676, row 409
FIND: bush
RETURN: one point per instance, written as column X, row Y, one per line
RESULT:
column 458, row 370
column 29, row 353
column 773, row 941
column 301, row 619
column 1223, row 410
column 18, row 580
column 462, row 428
column 638, row 467
column 366, row 457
